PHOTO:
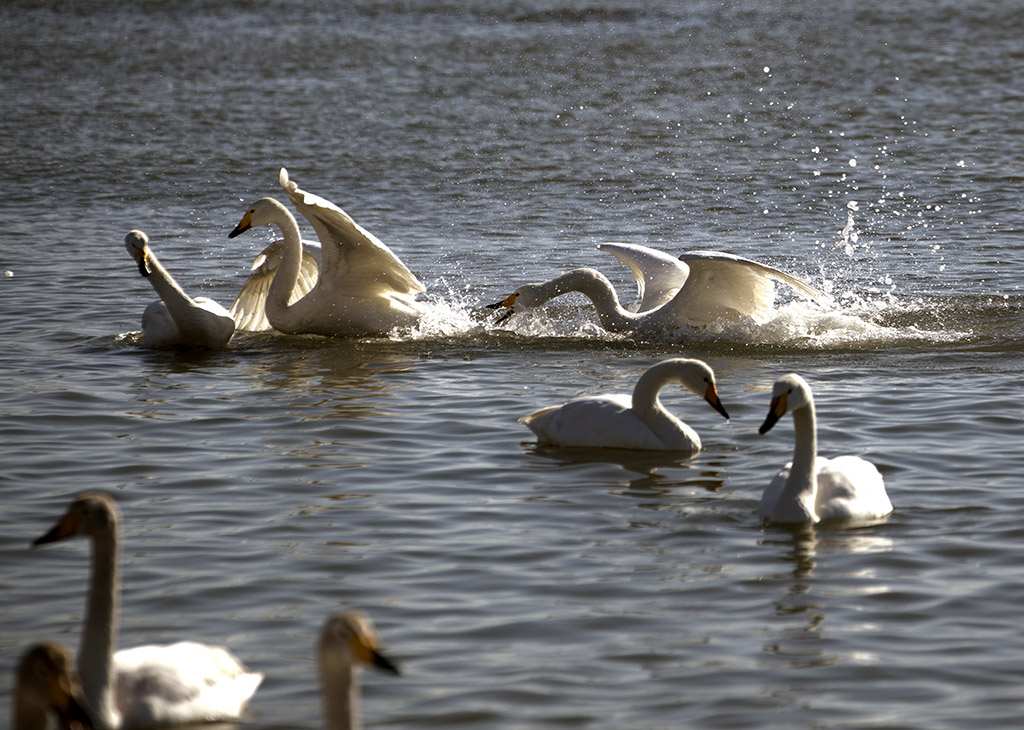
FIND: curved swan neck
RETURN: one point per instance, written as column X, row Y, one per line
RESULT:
column 645, row 393
column 340, row 692
column 595, row 286
column 277, row 303
column 802, row 485
column 96, row 652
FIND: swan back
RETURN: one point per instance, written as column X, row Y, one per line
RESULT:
column 46, row 684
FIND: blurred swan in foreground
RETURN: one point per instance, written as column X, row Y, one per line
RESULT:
column 347, row 640
column 176, row 318
column 362, row 287
column 46, row 687
column 146, row 686
column 629, row 422
column 695, row 290
column 812, row 488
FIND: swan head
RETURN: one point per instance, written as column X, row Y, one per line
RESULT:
column 137, row 245
column 349, row 638
column 789, row 393
column 260, row 213
column 47, row 684
column 530, row 296
column 90, row 514
column 702, row 383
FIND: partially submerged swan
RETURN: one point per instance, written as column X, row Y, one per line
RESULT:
column 362, row 287
column 638, row 421
column 46, row 687
column 176, row 318
column 697, row 289
column 346, row 641
column 812, row 488
column 146, row 686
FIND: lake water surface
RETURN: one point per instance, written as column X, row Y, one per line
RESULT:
column 872, row 148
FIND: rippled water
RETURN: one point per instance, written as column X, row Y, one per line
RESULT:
column 872, row 148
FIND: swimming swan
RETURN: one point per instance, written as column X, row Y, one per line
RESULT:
column 46, row 684
column 811, row 488
column 346, row 640
column 176, row 318
column 144, row 686
column 694, row 290
column 629, row 422
column 362, row 289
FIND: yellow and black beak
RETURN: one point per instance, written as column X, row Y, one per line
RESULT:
column 776, row 410
column 509, row 301
column 139, row 254
column 243, row 225
column 66, row 527
column 711, row 396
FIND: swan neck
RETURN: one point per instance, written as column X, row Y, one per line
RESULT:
column 595, row 286
column 96, row 652
column 279, row 295
column 340, row 693
column 170, row 292
column 647, row 406
column 802, row 484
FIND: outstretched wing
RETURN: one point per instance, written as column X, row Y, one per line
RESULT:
column 659, row 276
column 355, row 262
column 249, row 308
column 721, row 284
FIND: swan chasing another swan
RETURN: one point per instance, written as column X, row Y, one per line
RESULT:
column 176, row 318
column 362, row 287
column 811, row 488
column 695, row 290
column 147, row 686
column 625, row 422
column 347, row 640
column 46, row 685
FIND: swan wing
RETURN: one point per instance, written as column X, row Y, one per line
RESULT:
column 722, row 284
column 179, row 684
column 248, row 310
column 355, row 262
column 659, row 276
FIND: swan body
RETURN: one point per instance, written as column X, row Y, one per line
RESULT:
column 629, row 422
column 695, row 290
column 362, row 287
column 812, row 488
column 176, row 318
column 147, row 686
column 46, row 686
column 346, row 640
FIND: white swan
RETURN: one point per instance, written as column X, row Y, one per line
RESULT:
column 176, row 318
column 699, row 288
column 629, row 422
column 145, row 686
column 362, row 289
column 346, row 640
column 46, row 686
column 812, row 488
